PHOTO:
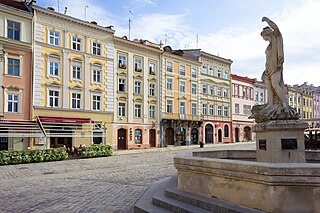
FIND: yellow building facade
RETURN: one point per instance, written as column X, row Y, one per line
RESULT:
column 73, row 80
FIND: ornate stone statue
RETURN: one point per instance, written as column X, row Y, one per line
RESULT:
column 277, row 107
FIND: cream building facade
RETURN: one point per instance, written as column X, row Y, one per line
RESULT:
column 73, row 97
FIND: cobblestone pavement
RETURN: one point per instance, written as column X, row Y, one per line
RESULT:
column 110, row 184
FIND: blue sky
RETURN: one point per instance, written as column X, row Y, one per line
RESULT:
column 228, row 28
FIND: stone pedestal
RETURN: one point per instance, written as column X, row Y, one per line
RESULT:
column 280, row 141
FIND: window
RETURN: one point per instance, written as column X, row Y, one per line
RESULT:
column 122, row 62
column 244, row 92
column 137, row 87
column 211, row 109
column 219, row 73
column 226, row 131
column 194, row 89
column 204, row 109
column 219, row 91
column 182, row 70
column 169, row 66
column 13, row 67
column 76, row 100
column 262, row 97
column 225, row 93
column 96, row 102
column 13, row 103
column 54, row 66
column 96, row 48
column 246, row 109
column 76, row 71
column 138, row 135
column 137, row 110
column 96, row 74
column 182, row 86
column 211, row 90
column 152, row 90
column 121, row 109
column 122, row 85
column 193, row 73
column 236, row 90
column 226, row 75
column 76, row 43
column 14, row 30
column 169, row 83
column 193, row 109
column 169, row 106
column 53, row 98
column 211, row 71
column 257, row 96
column 236, row 108
column 152, row 111
column 182, row 108
column 152, row 69
column 54, row 37
column 204, row 89
column 226, row 111
column 205, row 70
column 219, row 110
column 137, row 65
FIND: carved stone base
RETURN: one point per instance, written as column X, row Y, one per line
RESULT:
column 280, row 141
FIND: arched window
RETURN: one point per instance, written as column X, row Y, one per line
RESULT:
column 138, row 136
column 226, row 131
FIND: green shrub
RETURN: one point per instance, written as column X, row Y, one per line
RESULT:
column 32, row 156
column 97, row 150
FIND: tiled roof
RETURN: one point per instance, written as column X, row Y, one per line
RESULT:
column 15, row 4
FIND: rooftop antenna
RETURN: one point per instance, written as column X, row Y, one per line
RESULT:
column 197, row 41
column 58, row 6
column 65, row 10
column 130, row 22
column 85, row 11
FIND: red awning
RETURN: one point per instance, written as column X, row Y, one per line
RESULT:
column 64, row 119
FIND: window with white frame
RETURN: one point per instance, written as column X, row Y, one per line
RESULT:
column 225, row 93
column 13, row 102
column 182, row 70
column 204, row 70
column 152, row 89
column 219, row 110
column 121, row 109
column 122, row 62
column 204, row 88
column 257, row 96
column 76, row 71
column 169, row 106
column 54, row 37
column 169, row 66
column 219, row 73
column 97, row 74
column 211, row 90
column 152, row 111
column 211, row 109
column 193, row 72
column 226, row 75
column 226, row 111
column 261, row 97
column 137, row 110
column 137, row 87
column 137, row 65
column 13, row 30
column 182, row 107
column 14, row 67
column 193, row 109
column 193, row 89
column 76, row 100
column 219, row 91
column 152, row 69
column 204, row 109
column 211, row 71
column 169, row 83
column 53, row 97
column 236, row 108
column 96, row 102
column 96, row 48
column 76, row 43
column 54, row 66
column 182, row 86
column 236, row 90
column 122, row 85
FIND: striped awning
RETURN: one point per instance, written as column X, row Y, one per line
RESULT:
column 20, row 128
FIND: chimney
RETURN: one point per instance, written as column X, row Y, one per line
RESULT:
column 93, row 22
column 50, row 8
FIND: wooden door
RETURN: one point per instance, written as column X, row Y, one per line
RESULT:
column 152, row 138
column 122, row 139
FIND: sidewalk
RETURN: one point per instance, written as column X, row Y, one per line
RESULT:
column 173, row 148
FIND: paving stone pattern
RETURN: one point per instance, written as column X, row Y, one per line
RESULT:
column 110, row 184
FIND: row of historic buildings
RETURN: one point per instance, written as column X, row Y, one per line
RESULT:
column 66, row 82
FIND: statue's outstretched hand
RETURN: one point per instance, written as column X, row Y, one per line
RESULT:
column 264, row 19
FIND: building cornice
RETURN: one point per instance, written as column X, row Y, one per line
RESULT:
column 181, row 58
column 16, row 44
column 218, row 58
column 121, row 42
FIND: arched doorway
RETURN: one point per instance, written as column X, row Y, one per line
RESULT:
column 122, row 139
column 194, row 136
column 4, row 143
column 209, row 133
column 236, row 134
column 152, row 138
column 247, row 133
column 61, row 136
column 169, row 136
column 219, row 136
